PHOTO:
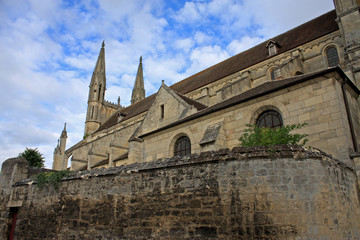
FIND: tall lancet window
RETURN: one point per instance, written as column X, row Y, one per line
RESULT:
column 99, row 92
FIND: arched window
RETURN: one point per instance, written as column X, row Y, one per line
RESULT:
column 270, row 119
column 332, row 56
column 182, row 147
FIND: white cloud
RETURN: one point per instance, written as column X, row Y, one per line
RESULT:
column 238, row 46
column 201, row 37
column 189, row 13
column 184, row 44
column 204, row 57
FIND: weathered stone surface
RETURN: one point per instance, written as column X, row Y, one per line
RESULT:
column 214, row 195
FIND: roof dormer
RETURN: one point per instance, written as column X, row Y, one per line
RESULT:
column 272, row 47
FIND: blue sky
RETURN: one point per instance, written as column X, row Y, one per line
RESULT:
column 49, row 49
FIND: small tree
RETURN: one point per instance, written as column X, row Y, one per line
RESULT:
column 255, row 136
column 33, row 156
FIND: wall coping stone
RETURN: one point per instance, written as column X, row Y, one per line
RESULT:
column 237, row 153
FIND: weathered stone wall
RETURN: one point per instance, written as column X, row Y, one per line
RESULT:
column 318, row 102
column 237, row 194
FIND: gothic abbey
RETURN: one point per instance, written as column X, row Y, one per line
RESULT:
column 309, row 74
column 168, row 165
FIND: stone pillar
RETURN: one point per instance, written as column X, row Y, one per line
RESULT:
column 135, row 151
column 13, row 170
column 348, row 18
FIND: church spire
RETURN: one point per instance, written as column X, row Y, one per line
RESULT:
column 96, row 94
column 64, row 132
column 60, row 158
column 138, row 93
column 98, row 78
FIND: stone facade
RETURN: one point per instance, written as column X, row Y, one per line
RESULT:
column 288, row 193
column 294, row 79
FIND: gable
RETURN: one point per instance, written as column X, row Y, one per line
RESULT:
column 168, row 107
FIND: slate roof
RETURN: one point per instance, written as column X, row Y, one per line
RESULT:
column 293, row 38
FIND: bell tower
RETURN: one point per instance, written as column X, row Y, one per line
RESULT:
column 348, row 18
column 96, row 94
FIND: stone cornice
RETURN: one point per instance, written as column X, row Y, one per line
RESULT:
column 347, row 12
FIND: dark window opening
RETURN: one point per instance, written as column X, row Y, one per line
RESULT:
column 162, row 111
column 13, row 212
column 182, row 147
column 270, row 119
column 99, row 92
column 332, row 57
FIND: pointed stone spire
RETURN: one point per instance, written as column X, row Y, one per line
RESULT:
column 96, row 94
column 63, row 138
column 138, row 93
column 64, row 132
column 57, row 149
column 60, row 157
column 98, row 79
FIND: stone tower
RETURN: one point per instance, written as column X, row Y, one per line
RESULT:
column 60, row 158
column 348, row 18
column 138, row 92
column 96, row 94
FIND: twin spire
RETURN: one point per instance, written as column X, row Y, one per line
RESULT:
column 99, row 77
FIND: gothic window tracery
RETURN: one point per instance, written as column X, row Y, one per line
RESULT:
column 332, row 56
column 182, row 147
column 270, row 119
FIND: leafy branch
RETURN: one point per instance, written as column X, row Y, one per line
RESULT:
column 255, row 136
column 50, row 179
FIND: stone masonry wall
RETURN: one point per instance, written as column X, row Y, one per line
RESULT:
column 287, row 193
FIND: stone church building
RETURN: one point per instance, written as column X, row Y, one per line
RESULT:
column 169, row 167
column 310, row 74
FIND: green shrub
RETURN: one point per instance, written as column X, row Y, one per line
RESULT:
column 255, row 136
column 50, row 179
column 33, row 156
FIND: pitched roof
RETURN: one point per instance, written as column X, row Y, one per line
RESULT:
column 293, row 38
column 196, row 104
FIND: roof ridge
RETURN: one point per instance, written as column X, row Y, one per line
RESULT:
column 252, row 56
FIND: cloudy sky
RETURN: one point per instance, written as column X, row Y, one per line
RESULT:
column 48, row 50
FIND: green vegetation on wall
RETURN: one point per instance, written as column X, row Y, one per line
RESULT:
column 255, row 136
column 50, row 179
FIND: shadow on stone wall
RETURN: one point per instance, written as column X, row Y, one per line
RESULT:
column 243, row 193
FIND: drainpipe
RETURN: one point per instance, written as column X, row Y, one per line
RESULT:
column 348, row 113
